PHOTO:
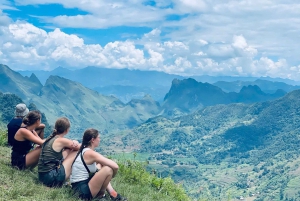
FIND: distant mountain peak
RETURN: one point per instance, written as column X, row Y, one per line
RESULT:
column 251, row 89
column 60, row 70
column 34, row 78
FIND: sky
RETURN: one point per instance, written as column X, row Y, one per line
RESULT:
column 186, row 37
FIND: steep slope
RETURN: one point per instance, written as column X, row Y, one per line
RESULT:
column 188, row 95
column 87, row 108
column 244, row 148
column 13, row 82
column 84, row 107
column 131, row 181
column 7, row 106
column 243, row 127
column 125, row 84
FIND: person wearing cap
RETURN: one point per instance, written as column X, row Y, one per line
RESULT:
column 15, row 123
column 13, row 126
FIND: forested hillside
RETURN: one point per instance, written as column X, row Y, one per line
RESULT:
column 238, row 148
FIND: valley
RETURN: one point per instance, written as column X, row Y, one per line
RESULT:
column 218, row 144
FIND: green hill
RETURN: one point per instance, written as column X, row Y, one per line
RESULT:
column 237, row 149
column 135, row 184
column 133, row 180
column 83, row 106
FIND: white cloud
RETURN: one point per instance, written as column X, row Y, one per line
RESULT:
column 239, row 37
column 103, row 14
column 4, row 19
column 23, row 45
column 155, row 59
column 188, row 6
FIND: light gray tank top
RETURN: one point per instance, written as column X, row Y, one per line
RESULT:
column 79, row 172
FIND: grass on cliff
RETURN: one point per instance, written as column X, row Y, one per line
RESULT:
column 132, row 181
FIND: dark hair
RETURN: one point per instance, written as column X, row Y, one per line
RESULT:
column 61, row 125
column 88, row 135
column 31, row 118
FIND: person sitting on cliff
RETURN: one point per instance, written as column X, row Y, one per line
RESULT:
column 22, row 157
column 92, row 172
column 15, row 123
column 57, row 155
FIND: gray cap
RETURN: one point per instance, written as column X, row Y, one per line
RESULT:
column 21, row 110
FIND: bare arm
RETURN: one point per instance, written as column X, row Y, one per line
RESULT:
column 62, row 143
column 34, row 133
column 27, row 135
column 93, row 156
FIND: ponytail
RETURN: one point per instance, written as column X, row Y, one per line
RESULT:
column 54, row 133
column 61, row 125
column 88, row 135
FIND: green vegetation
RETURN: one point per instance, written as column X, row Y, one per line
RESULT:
column 3, row 137
column 7, row 106
column 132, row 181
column 236, row 149
column 221, row 152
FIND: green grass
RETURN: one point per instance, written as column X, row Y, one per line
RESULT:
column 132, row 181
column 3, row 137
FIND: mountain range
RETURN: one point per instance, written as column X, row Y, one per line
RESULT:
column 242, row 143
column 125, row 84
column 87, row 108
column 188, row 95
column 83, row 106
column 128, row 84
column 265, row 85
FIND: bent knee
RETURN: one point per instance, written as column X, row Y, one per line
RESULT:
column 108, row 170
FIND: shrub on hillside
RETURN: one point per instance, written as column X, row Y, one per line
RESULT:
column 135, row 172
column 3, row 137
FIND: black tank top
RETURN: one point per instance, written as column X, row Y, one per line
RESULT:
column 22, row 147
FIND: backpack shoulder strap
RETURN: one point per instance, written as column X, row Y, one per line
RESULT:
column 81, row 155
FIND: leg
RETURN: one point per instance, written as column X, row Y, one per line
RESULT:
column 66, row 152
column 40, row 130
column 111, row 191
column 109, row 188
column 69, row 157
column 32, row 158
column 100, row 181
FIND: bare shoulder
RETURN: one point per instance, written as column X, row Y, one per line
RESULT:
column 91, row 153
column 64, row 142
column 23, row 132
column 67, row 143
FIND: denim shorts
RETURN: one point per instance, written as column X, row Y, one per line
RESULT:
column 53, row 178
column 82, row 189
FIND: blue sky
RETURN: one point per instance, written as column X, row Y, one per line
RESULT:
column 186, row 37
